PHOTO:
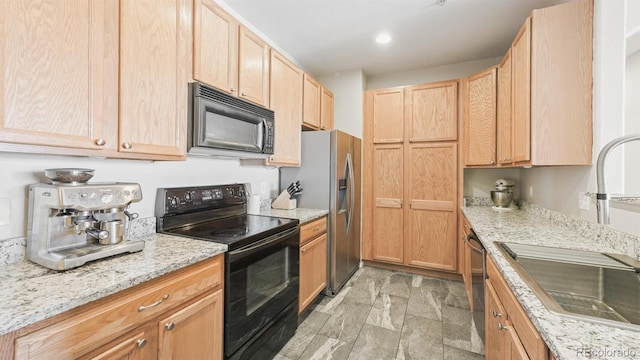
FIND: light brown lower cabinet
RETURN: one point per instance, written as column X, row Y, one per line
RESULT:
column 509, row 334
column 313, row 262
column 179, row 315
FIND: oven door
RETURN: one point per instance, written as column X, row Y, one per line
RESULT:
column 261, row 280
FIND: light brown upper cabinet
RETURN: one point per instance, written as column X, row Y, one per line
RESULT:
column 253, row 67
column 154, row 68
column 229, row 56
column 326, row 109
column 504, row 114
column 431, row 111
column 521, row 98
column 561, row 84
column 480, row 118
column 311, row 103
column 95, row 78
column 286, row 101
column 544, row 94
column 215, row 46
column 410, row 190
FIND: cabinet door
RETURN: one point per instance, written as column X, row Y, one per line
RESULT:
column 140, row 344
column 514, row 348
column 504, row 127
column 313, row 270
column 432, row 112
column 59, row 73
column 253, row 68
column 388, row 218
column 154, row 70
column 521, row 72
column 215, row 46
column 326, row 110
column 388, row 116
column 430, row 233
column 480, row 118
column 195, row 332
column 286, row 101
column 495, row 317
column 311, row 102
column 562, row 84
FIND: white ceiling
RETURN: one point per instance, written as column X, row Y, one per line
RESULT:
column 328, row 36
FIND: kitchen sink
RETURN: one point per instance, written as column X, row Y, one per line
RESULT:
column 590, row 286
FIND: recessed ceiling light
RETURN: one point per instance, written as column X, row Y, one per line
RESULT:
column 383, row 38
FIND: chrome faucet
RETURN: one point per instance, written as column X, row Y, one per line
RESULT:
column 602, row 197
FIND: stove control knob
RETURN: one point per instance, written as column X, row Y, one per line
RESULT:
column 188, row 196
column 174, row 202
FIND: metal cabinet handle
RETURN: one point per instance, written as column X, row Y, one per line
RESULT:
column 100, row 142
column 303, row 250
column 243, row 94
column 169, row 326
column 496, row 314
column 492, row 162
column 126, row 145
column 141, row 308
column 141, row 343
column 502, row 327
column 233, row 90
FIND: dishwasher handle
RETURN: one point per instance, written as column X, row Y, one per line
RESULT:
column 471, row 239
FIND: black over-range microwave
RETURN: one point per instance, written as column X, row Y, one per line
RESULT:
column 222, row 125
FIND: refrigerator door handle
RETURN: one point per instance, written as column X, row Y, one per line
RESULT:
column 352, row 193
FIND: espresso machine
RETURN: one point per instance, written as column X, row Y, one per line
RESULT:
column 71, row 221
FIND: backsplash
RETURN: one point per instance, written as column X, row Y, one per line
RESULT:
column 14, row 250
column 625, row 243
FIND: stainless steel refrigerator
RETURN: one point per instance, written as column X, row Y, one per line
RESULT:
column 330, row 177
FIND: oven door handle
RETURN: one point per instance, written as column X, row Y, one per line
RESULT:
column 248, row 250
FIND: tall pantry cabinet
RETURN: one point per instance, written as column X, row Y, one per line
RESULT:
column 411, row 188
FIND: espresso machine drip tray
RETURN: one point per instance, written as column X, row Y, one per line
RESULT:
column 74, row 257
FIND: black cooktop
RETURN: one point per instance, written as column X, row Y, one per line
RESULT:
column 236, row 231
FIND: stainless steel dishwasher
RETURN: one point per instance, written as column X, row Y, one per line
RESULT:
column 477, row 259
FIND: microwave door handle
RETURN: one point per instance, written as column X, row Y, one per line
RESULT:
column 261, row 134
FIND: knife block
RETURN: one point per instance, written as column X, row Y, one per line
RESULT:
column 284, row 201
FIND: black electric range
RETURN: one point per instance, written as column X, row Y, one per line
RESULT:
column 261, row 264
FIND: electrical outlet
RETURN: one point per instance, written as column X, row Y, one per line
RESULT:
column 584, row 201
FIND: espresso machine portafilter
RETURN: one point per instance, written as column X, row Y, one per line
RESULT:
column 70, row 222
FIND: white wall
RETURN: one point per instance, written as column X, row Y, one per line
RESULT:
column 19, row 170
column 347, row 88
column 427, row 75
column 632, row 124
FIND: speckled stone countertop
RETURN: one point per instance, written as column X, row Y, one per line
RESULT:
column 304, row 215
column 30, row 293
column 567, row 338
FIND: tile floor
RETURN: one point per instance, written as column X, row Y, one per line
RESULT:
column 382, row 315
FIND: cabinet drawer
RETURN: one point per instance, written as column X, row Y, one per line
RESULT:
column 313, row 229
column 528, row 334
column 105, row 320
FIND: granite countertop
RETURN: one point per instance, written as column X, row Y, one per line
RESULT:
column 302, row 214
column 567, row 338
column 31, row 293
